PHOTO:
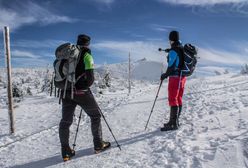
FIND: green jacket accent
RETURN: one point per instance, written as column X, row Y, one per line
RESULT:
column 88, row 61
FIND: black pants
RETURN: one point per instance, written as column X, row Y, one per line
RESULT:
column 89, row 105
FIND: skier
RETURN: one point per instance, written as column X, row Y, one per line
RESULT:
column 176, row 81
column 84, row 98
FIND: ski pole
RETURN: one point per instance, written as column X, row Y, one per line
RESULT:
column 109, row 127
column 51, row 86
column 154, row 103
column 107, row 123
column 80, row 115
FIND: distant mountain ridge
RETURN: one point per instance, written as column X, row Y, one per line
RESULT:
column 144, row 69
column 140, row 70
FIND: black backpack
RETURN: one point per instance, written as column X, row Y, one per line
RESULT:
column 189, row 60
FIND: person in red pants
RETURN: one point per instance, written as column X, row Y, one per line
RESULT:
column 176, row 81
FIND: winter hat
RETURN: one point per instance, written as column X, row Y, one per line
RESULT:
column 174, row 36
column 83, row 40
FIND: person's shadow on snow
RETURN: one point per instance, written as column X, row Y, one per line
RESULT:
column 89, row 151
column 57, row 159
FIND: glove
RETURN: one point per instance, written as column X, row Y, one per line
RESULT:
column 163, row 76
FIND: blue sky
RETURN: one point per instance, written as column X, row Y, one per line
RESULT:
column 217, row 27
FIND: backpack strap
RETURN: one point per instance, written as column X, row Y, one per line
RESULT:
column 60, row 96
column 80, row 76
column 66, row 83
column 72, row 90
column 74, row 73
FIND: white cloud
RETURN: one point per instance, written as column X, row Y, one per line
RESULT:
column 234, row 6
column 29, row 13
column 22, row 58
column 45, row 16
column 105, row 1
column 162, row 28
column 241, row 46
column 13, row 20
column 29, row 62
column 246, row 50
column 212, row 56
column 149, row 50
column 138, row 49
column 23, row 54
column 204, row 2
column 37, row 44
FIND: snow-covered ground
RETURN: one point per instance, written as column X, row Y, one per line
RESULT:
column 213, row 131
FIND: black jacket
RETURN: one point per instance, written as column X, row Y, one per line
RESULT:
column 86, row 77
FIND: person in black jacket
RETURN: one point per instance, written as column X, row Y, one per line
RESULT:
column 84, row 98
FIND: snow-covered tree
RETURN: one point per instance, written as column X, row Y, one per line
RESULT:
column 104, row 78
column 226, row 71
column 217, row 72
column 107, row 79
column 244, row 69
column 46, row 81
column 29, row 91
column 17, row 90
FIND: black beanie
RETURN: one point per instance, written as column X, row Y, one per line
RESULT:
column 174, row 36
column 83, row 40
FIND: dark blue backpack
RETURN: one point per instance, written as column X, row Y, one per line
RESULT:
column 189, row 60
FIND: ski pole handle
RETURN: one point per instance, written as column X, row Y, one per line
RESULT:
column 165, row 50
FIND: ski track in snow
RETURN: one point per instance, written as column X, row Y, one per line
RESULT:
column 213, row 130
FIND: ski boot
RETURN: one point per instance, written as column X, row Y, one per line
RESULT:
column 173, row 122
column 169, row 127
column 67, row 153
column 104, row 146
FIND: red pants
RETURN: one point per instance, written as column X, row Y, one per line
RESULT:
column 175, row 90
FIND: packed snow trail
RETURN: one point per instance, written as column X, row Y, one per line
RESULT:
column 213, row 131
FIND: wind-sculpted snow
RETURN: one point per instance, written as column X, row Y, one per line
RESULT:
column 213, row 128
